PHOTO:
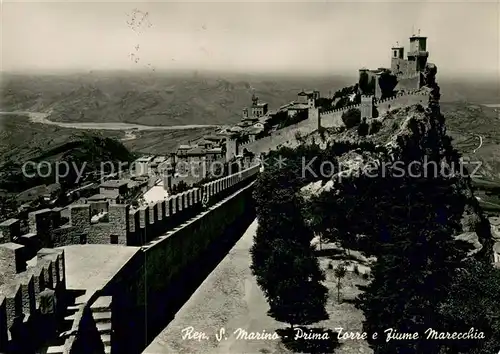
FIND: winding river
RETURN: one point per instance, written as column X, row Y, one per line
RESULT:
column 43, row 118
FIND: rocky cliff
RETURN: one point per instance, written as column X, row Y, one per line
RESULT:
column 413, row 133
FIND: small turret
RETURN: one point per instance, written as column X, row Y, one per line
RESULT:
column 255, row 99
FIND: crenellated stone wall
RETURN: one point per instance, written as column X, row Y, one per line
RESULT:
column 21, row 285
column 123, row 224
column 333, row 118
column 150, row 287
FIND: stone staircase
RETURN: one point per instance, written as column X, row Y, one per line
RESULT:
column 56, row 346
column 101, row 312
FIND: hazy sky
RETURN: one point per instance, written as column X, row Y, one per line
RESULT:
column 316, row 37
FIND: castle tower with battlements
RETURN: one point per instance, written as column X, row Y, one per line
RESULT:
column 407, row 70
column 415, row 61
column 366, row 106
column 231, row 147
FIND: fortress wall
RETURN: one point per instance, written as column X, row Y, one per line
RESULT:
column 168, row 254
column 402, row 101
column 281, row 136
column 124, row 226
column 160, row 275
column 332, row 119
column 409, row 83
column 19, row 294
column 328, row 119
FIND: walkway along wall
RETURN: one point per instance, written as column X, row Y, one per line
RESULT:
column 155, row 284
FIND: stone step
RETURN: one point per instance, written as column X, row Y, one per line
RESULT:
column 74, row 307
column 102, row 316
column 56, row 350
column 70, row 317
column 103, row 327
column 106, row 339
column 102, row 303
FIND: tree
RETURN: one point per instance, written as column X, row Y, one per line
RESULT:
column 294, row 290
column 283, row 259
column 375, row 126
column 351, row 117
column 363, row 128
column 473, row 302
column 340, row 272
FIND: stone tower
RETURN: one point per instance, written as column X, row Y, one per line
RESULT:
column 313, row 113
column 366, row 106
column 418, row 54
column 231, row 147
column 398, row 58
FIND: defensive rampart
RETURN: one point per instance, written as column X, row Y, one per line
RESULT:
column 333, row 118
column 190, row 222
column 147, row 292
column 123, row 224
column 21, row 288
column 329, row 119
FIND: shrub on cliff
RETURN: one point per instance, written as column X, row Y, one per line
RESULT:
column 375, row 126
column 363, row 128
column 351, row 117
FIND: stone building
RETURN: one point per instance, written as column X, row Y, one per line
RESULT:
column 142, row 165
column 308, row 97
column 114, row 188
column 258, row 109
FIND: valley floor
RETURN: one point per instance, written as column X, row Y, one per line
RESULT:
column 230, row 298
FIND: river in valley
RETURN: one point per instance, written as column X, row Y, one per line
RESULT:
column 43, row 118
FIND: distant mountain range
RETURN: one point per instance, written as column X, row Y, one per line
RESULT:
column 175, row 99
column 151, row 100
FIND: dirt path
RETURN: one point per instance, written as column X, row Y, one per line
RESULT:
column 230, row 299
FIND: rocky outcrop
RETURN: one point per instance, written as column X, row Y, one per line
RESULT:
column 414, row 132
